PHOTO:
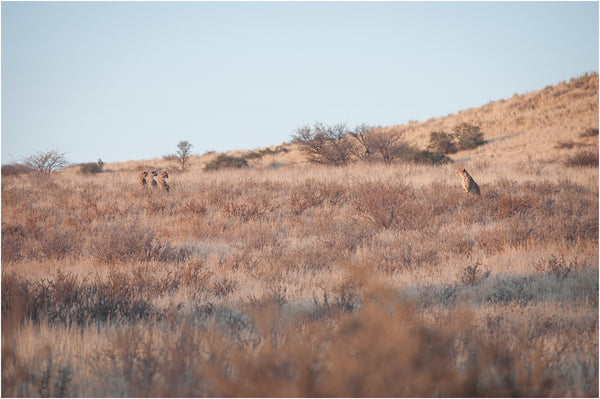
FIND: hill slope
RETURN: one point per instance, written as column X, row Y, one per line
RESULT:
column 528, row 126
column 543, row 125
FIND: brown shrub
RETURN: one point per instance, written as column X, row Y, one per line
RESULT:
column 472, row 274
column 131, row 243
column 589, row 132
column 386, row 205
column 312, row 193
column 510, row 205
column 12, row 241
column 583, row 158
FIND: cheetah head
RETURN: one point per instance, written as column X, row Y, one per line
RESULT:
column 165, row 175
column 461, row 171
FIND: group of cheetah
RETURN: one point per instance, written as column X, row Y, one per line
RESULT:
column 468, row 184
column 162, row 182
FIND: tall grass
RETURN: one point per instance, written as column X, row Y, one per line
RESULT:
column 365, row 280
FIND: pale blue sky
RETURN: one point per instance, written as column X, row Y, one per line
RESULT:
column 129, row 80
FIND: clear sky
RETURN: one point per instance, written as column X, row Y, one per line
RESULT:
column 129, row 80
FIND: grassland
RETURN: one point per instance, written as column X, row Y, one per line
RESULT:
column 293, row 279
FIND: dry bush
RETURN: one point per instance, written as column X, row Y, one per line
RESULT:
column 12, row 242
column 425, row 157
column 557, row 267
column 473, row 273
column 325, row 144
column 311, row 193
column 442, row 142
column 66, row 299
column 589, row 132
column 91, row 168
column 583, row 158
column 385, row 205
column 510, row 205
column 58, row 243
column 224, row 161
column 15, row 169
column 468, row 136
column 191, row 207
column 46, row 161
column 380, row 144
column 131, row 243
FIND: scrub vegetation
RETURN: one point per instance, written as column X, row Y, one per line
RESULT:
column 293, row 278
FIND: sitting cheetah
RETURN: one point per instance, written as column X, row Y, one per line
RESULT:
column 163, row 181
column 152, row 174
column 468, row 184
column 142, row 178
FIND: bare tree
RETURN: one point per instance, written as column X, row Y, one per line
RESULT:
column 183, row 153
column 46, row 162
column 361, row 134
column 379, row 143
column 324, row 143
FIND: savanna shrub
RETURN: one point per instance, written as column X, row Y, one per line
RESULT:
column 226, row 161
column 464, row 136
column 12, row 241
column 326, row 144
column 90, row 168
column 582, row 158
column 443, row 143
column 132, row 243
column 589, row 132
column 385, row 205
column 15, row 169
column 426, row 157
column 468, row 136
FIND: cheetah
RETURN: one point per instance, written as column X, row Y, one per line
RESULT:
column 142, row 178
column 163, row 182
column 468, row 184
column 153, row 174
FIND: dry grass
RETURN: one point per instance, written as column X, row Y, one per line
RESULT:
column 364, row 280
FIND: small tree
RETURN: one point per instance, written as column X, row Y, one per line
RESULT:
column 442, row 142
column 380, row 143
column 325, row 144
column 183, row 153
column 469, row 136
column 362, row 134
column 46, row 162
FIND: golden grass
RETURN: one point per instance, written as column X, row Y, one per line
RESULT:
column 305, row 280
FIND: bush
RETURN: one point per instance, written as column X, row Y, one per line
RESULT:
column 325, row 144
column 589, row 132
column 583, row 158
column 464, row 136
column 131, row 243
column 257, row 154
column 15, row 169
column 46, row 162
column 380, row 144
column 426, row 157
column 386, row 205
column 468, row 136
column 226, row 161
column 91, row 168
column 441, row 142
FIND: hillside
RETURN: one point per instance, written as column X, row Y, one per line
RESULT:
column 526, row 127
